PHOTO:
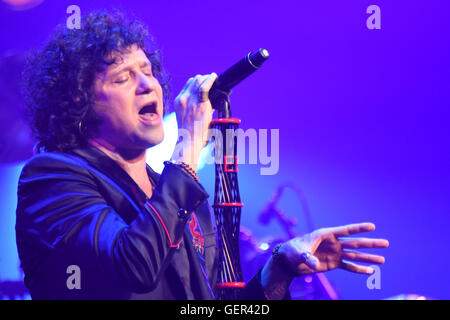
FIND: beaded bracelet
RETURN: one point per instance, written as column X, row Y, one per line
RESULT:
column 187, row 168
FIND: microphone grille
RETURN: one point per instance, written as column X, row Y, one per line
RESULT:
column 257, row 58
column 264, row 53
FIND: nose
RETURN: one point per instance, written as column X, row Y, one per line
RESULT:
column 147, row 84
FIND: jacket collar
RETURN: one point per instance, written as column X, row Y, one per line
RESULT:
column 102, row 162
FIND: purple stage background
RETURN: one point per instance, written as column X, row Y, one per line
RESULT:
column 363, row 117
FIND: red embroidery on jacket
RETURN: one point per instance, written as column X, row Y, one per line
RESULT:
column 197, row 237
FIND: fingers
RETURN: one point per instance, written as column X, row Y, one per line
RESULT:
column 350, row 229
column 352, row 267
column 362, row 257
column 197, row 94
column 187, row 85
column 181, row 102
column 358, row 243
column 199, row 87
column 208, row 81
column 328, row 245
column 194, row 93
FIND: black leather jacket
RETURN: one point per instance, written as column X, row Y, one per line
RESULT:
column 81, row 208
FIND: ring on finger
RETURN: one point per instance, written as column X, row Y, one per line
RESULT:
column 202, row 95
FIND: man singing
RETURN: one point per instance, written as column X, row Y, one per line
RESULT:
column 88, row 200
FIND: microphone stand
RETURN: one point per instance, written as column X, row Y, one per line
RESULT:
column 227, row 202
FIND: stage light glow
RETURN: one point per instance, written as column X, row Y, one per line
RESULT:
column 22, row 4
column 156, row 155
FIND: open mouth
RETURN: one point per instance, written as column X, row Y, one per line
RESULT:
column 149, row 115
column 149, row 109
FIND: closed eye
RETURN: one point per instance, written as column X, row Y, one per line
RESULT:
column 121, row 80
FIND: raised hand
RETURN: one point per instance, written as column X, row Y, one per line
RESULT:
column 321, row 250
column 330, row 248
column 194, row 114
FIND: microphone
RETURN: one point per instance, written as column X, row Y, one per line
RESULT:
column 233, row 76
column 240, row 70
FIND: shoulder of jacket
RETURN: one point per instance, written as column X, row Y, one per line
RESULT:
column 53, row 161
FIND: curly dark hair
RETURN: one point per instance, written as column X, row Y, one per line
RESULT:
column 59, row 78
